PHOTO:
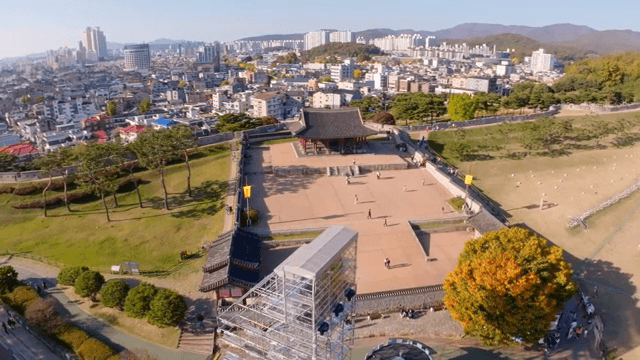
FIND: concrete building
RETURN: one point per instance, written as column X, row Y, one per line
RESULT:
column 96, row 42
column 315, row 38
column 342, row 71
column 341, row 37
column 137, row 57
column 209, row 54
column 268, row 104
column 541, row 62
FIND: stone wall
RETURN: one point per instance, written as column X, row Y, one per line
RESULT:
column 600, row 109
column 392, row 301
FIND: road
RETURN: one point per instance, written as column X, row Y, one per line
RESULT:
column 115, row 338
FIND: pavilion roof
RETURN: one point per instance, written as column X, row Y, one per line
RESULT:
column 333, row 124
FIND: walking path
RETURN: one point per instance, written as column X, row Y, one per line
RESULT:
column 22, row 344
column 35, row 273
column 231, row 196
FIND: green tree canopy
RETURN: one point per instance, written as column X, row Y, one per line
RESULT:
column 384, row 118
column 508, row 283
column 138, row 300
column 239, row 122
column 112, row 108
column 7, row 162
column 167, row 308
column 154, row 149
column 144, row 106
column 67, row 276
column 8, row 279
column 114, row 293
column 368, row 106
column 417, row 106
column 88, row 283
column 96, row 174
column 462, row 107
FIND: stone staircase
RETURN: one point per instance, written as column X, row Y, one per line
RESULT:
column 196, row 339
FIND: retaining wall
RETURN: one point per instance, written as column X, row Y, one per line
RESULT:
column 600, row 108
column 393, row 301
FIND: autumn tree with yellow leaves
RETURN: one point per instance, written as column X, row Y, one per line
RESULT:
column 508, row 284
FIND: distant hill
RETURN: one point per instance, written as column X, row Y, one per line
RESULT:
column 578, row 36
column 524, row 46
column 608, row 41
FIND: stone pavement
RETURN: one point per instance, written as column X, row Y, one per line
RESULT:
column 34, row 273
column 21, row 343
column 437, row 323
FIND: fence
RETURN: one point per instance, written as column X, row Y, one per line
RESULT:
column 600, row 108
column 580, row 219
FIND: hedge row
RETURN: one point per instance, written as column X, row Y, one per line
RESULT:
column 38, row 187
column 75, row 197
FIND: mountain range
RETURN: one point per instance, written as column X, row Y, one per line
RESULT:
column 578, row 36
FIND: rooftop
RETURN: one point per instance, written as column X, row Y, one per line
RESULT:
column 333, row 124
column 133, row 129
column 19, row 149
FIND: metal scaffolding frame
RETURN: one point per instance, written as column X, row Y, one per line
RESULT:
column 283, row 315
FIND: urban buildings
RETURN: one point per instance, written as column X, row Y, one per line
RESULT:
column 209, row 54
column 541, row 62
column 343, row 71
column 137, row 57
column 95, row 42
column 341, row 36
column 321, row 37
column 268, row 104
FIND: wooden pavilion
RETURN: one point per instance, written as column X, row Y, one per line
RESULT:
column 324, row 131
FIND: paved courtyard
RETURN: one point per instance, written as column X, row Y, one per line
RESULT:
column 287, row 202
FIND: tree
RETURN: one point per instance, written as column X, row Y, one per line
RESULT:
column 112, row 108
column 597, row 129
column 357, row 74
column 545, row 133
column 154, row 149
column 7, row 162
column 460, row 150
column 182, row 84
column 239, row 122
column 89, row 283
column 417, row 106
column 144, row 106
column 68, row 275
column 56, row 163
column 508, row 283
column 363, row 57
column 25, row 99
column 368, row 106
column 114, row 293
column 42, row 313
column 224, row 83
column 183, row 140
column 462, row 107
column 123, row 156
column 167, row 308
column 488, row 103
column 96, row 174
column 139, row 299
column 8, row 279
column 384, row 118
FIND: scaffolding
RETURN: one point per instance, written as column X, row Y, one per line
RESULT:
column 303, row 310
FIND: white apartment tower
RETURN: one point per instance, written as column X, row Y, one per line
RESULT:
column 341, row 36
column 209, row 54
column 315, row 39
column 137, row 57
column 541, row 62
column 95, row 42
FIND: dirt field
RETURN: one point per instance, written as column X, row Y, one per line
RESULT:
column 320, row 200
column 572, row 185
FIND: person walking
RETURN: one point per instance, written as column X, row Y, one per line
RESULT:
column 378, row 174
column 369, row 214
column 354, row 161
column 38, row 289
column 44, row 284
column 405, row 188
column 387, row 263
column 4, row 326
column 443, row 209
column 348, row 180
column 385, row 222
column 200, row 319
column 12, row 324
column 424, row 182
column 356, row 199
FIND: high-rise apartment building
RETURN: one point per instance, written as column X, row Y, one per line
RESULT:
column 315, row 39
column 341, row 36
column 541, row 62
column 96, row 42
column 209, row 54
column 137, row 57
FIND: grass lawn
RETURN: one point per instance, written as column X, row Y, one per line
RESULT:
column 151, row 236
column 503, row 141
column 167, row 336
column 277, row 141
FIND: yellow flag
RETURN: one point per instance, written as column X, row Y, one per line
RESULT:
column 247, row 191
column 468, row 179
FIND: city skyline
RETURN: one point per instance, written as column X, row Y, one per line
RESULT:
column 55, row 25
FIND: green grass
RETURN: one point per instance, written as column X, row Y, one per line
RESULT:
column 277, row 141
column 456, row 203
column 503, row 140
column 151, row 236
column 436, row 225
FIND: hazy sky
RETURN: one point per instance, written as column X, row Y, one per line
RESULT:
column 43, row 25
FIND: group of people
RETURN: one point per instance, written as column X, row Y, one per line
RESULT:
column 409, row 314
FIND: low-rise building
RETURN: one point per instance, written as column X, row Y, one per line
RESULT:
column 268, row 104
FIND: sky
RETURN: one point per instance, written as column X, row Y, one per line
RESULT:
column 46, row 25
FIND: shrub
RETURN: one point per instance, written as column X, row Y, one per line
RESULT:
column 55, row 201
column 89, row 283
column 42, row 314
column 456, row 202
column 136, row 305
column 38, row 187
column 253, row 215
column 8, row 279
column 167, row 308
column 114, row 293
column 137, row 354
column 385, row 118
column 20, row 298
column 68, row 275
column 93, row 349
column 73, row 337
column 4, row 189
